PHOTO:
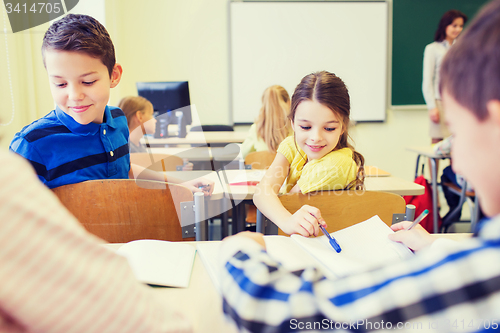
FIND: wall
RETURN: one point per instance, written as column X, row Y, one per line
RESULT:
column 188, row 40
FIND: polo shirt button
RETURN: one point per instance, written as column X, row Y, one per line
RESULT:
column 111, row 153
column 104, row 132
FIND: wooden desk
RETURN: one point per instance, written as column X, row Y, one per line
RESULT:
column 199, row 138
column 373, row 171
column 428, row 151
column 201, row 303
column 386, row 184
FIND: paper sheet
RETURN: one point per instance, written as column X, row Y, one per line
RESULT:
column 160, row 262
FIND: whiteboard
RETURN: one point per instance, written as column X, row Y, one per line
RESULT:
column 281, row 42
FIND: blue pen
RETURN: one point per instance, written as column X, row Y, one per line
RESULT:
column 332, row 240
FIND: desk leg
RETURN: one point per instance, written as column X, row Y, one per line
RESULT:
column 224, row 232
column 434, row 194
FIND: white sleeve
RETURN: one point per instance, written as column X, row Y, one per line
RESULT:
column 429, row 72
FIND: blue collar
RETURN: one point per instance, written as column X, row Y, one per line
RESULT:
column 84, row 130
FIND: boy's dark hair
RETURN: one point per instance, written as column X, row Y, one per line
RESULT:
column 80, row 33
column 470, row 71
column 445, row 21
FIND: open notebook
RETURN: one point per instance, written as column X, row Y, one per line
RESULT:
column 160, row 263
column 364, row 246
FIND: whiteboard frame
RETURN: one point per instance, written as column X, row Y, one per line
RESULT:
column 388, row 63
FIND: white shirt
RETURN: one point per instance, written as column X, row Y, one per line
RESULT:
column 433, row 57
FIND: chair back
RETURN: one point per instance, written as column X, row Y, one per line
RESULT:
column 156, row 162
column 123, row 210
column 260, row 159
column 212, row 128
column 341, row 209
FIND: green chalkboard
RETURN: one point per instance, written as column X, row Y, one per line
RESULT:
column 414, row 25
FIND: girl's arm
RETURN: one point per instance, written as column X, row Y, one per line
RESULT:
column 304, row 221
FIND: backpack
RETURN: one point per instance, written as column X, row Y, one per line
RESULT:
column 423, row 202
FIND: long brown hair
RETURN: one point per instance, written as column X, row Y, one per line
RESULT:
column 272, row 123
column 445, row 21
column 329, row 90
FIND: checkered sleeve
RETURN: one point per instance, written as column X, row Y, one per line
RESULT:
column 438, row 288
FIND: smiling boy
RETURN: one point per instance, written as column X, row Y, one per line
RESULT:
column 82, row 138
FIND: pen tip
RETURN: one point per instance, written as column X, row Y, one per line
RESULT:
column 426, row 211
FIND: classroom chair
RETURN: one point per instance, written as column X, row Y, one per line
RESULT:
column 465, row 195
column 260, row 159
column 123, row 210
column 340, row 209
column 156, row 162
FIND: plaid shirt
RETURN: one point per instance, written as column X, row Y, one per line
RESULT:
column 449, row 287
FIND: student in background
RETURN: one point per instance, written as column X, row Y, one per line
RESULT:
column 447, row 286
column 141, row 121
column 317, row 157
column 449, row 27
column 139, row 112
column 57, row 277
column 272, row 125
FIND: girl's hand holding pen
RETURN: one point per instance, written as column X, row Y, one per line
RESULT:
column 304, row 222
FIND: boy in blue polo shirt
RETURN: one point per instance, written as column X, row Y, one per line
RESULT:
column 82, row 138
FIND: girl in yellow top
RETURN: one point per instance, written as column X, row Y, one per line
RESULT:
column 317, row 158
column 272, row 125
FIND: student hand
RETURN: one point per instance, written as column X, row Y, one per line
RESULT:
column 295, row 189
column 416, row 239
column 255, row 236
column 200, row 185
column 434, row 115
column 304, row 222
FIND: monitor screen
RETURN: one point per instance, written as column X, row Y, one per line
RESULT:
column 167, row 96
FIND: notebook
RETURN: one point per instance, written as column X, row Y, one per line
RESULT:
column 364, row 246
column 160, row 263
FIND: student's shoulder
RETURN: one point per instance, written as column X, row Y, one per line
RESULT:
column 340, row 155
column 116, row 112
column 42, row 127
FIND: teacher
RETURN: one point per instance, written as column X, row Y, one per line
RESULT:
column 450, row 26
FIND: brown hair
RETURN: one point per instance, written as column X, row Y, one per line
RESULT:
column 445, row 21
column 131, row 104
column 471, row 68
column 329, row 90
column 80, row 33
column 272, row 123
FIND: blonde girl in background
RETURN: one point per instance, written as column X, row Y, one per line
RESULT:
column 317, row 157
column 139, row 112
column 272, row 125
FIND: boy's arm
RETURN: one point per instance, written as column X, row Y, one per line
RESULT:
column 22, row 147
column 261, row 295
column 56, row 276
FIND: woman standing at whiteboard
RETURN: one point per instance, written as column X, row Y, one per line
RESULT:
column 450, row 26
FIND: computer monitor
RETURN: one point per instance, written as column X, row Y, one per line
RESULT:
column 167, row 97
